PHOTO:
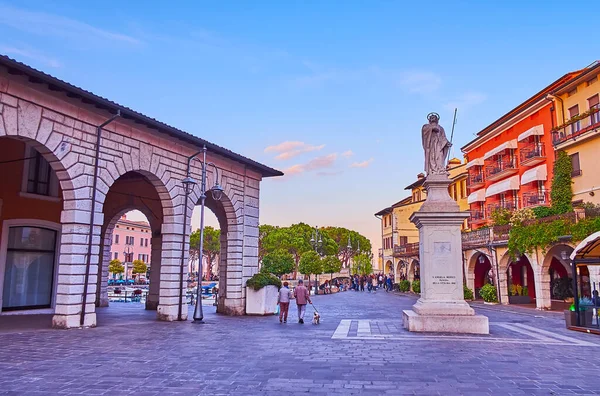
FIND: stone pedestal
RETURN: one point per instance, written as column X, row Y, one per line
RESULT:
column 442, row 307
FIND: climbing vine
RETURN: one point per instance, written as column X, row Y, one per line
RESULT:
column 562, row 190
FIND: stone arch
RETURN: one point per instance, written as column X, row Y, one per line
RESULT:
column 389, row 267
column 136, row 190
column 552, row 267
column 508, row 277
column 414, row 270
column 399, row 271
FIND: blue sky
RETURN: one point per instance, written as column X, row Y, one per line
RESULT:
column 332, row 92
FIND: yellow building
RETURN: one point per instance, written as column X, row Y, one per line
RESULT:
column 400, row 238
column 578, row 131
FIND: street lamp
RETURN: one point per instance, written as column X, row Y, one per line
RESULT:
column 126, row 253
column 316, row 241
column 217, row 193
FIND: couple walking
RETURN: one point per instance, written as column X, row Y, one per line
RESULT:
column 302, row 296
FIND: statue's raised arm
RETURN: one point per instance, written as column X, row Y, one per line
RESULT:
column 435, row 145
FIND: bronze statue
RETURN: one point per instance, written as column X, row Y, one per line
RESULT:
column 436, row 146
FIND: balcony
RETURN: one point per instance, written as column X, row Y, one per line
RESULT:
column 532, row 154
column 475, row 181
column 406, row 250
column 499, row 170
column 508, row 205
column 577, row 126
column 534, row 199
column 477, row 217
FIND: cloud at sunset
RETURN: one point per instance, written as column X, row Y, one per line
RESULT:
column 363, row 164
column 290, row 149
column 347, row 154
column 324, row 162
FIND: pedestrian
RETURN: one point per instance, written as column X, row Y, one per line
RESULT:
column 283, row 300
column 362, row 283
column 302, row 297
column 380, row 280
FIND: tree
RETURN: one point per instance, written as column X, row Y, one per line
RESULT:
column 310, row 264
column 139, row 267
column 264, row 230
column 211, row 247
column 331, row 264
column 294, row 240
column 115, row 267
column 278, row 263
column 362, row 265
column 358, row 243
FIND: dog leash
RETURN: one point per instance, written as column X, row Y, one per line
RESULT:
column 314, row 308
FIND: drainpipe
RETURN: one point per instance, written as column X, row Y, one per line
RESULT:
column 93, row 214
column 185, row 207
column 562, row 105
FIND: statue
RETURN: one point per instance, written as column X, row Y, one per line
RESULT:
column 436, row 146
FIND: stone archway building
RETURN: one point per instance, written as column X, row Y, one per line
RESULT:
column 59, row 122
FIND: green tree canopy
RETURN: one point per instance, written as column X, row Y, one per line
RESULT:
column 562, row 189
column 358, row 243
column 311, row 263
column 210, row 248
column 139, row 267
column 115, row 267
column 331, row 264
column 362, row 265
column 264, row 230
column 278, row 263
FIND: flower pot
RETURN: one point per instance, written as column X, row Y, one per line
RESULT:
column 585, row 318
column 261, row 302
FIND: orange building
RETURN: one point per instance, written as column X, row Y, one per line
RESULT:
column 510, row 161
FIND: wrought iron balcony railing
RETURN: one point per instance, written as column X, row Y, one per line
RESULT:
column 577, row 126
column 532, row 154
column 532, row 199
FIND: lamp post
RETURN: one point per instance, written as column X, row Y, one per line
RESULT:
column 316, row 242
column 126, row 253
column 217, row 193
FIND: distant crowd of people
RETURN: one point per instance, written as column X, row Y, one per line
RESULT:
column 372, row 282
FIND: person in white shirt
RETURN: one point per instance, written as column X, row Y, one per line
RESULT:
column 284, row 302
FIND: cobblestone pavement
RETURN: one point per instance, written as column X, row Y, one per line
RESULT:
column 359, row 348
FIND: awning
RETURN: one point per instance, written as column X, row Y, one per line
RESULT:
column 511, row 144
column 477, row 196
column 537, row 130
column 589, row 248
column 535, row 174
column 512, row 183
column 475, row 162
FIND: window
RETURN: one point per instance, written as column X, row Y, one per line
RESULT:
column 29, row 272
column 139, row 256
column 574, row 112
column 403, row 240
column 116, row 256
column 146, row 243
column 592, row 80
column 572, row 92
column 116, row 242
column 40, row 178
column 142, row 242
column 593, row 103
column 576, row 165
column 131, row 240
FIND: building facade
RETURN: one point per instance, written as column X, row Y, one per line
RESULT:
column 131, row 240
column 73, row 163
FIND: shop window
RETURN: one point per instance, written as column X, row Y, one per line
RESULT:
column 29, row 268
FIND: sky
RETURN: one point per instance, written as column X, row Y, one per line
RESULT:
column 332, row 93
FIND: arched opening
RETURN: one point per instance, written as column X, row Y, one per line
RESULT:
column 31, row 203
column 414, row 271
column 482, row 273
column 230, row 263
column 389, row 267
column 556, row 278
column 131, row 236
column 399, row 274
column 520, row 281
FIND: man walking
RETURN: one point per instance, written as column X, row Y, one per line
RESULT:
column 284, row 302
column 302, row 297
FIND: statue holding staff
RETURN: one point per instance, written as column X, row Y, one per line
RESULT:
column 436, row 146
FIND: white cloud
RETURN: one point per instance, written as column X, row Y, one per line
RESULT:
column 421, row 82
column 326, row 161
column 30, row 54
column 291, row 149
column 45, row 24
column 363, row 164
column 347, row 154
column 466, row 101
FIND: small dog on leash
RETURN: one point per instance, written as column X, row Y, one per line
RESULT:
column 316, row 318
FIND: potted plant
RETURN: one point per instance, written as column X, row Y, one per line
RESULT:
column 404, row 286
column 562, row 289
column 467, row 293
column 416, row 286
column 518, row 295
column 261, row 294
column 489, row 294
